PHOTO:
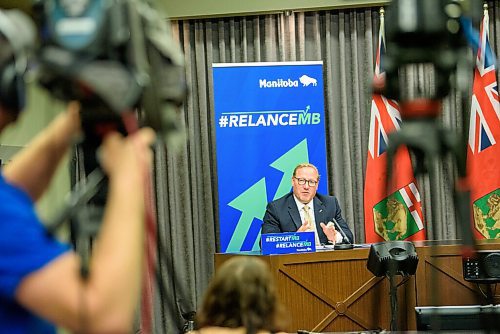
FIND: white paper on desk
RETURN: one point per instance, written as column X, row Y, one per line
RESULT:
column 331, row 247
column 324, row 248
column 362, row 245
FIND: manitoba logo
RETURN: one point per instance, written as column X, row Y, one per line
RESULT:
column 397, row 217
column 487, row 215
column 305, row 80
column 278, row 83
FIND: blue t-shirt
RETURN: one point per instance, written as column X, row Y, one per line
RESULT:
column 24, row 248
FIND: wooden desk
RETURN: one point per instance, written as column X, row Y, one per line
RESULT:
column 332, row 291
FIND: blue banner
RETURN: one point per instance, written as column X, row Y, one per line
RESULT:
column 269, row 117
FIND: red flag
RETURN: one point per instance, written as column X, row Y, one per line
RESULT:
column 483, row 150
column 394, row 213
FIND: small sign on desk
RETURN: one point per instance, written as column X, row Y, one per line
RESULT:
column 288, row 243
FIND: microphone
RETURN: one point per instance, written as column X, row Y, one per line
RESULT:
column 345, row 244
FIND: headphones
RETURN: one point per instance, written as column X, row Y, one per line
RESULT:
column 14, row 58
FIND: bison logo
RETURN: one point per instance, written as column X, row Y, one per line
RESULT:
column 306, row 81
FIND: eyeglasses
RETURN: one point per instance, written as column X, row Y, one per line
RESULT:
column 311, row 183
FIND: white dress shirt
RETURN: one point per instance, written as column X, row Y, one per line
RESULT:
column 312, row 227
column 300, row 206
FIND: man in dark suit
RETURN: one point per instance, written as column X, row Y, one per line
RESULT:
column 305, row 210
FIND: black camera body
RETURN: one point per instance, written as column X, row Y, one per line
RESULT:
column 425, row 32
column 84, row 55
column 114, row 56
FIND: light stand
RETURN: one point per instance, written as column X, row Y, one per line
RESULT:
column 389, row 259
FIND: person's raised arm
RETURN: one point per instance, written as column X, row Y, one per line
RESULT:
column 33, row 167
column 107, row 301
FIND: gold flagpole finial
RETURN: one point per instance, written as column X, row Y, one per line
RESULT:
column 485, row 7
column 381, row 11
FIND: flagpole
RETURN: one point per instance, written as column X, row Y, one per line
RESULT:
column 379, row 81
column 489, row 292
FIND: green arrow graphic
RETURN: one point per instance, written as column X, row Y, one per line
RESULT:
column 252, row 204
column 256, row 244
column 286, row 163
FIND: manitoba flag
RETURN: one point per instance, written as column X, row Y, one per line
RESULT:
column 483, row 150
column 394, row 213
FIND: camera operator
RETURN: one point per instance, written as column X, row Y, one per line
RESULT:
column 40, row 283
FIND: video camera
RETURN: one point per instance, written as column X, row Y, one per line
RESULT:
column 115, row 57
column 119, row 60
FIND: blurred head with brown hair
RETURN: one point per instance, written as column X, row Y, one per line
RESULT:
column 242, row 294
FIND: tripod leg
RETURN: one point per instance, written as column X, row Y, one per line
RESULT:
column 394, row 303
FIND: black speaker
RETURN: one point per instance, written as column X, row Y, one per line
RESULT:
column 392, row 258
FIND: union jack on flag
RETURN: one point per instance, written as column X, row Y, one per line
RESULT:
column 394, row 213
column 384, row 119
column 385, row 116
column 485, row 105
column 483, row 152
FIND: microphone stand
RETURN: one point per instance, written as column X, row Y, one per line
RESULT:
column 345, row 244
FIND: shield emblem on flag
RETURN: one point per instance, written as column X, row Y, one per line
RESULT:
column 487, row 215
column 395, row 218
